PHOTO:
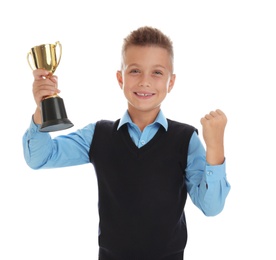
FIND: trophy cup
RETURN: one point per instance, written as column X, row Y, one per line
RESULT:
column 53, row 113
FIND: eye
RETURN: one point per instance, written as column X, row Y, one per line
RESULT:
column 158, row 72
column 134, row 71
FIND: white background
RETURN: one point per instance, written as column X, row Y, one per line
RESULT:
column 225, row 57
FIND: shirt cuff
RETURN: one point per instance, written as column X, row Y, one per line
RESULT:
column 215, row 172
column 33, row 129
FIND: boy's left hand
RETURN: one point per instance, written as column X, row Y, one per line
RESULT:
column 213, row 126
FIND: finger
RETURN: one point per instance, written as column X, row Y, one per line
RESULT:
column 202, row 120
column 50, row 88
column 44, row 93
column 213, row 113
column 208, row 116
column 48, row 83
column 54, row 79
column 220, row 112
column 40, row 74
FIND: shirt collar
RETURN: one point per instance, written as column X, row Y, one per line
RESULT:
column 160, row 119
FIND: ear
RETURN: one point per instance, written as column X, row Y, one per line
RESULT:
column 119, row 78
column 171, row 83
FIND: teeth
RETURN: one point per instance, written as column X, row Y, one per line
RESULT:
column 143, row 94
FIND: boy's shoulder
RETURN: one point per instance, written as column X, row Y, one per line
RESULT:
column 178, row 124
column 107, row 124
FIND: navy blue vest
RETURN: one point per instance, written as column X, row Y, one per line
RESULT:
column 142, row 191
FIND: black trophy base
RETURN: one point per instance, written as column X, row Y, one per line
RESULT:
column 54, row 117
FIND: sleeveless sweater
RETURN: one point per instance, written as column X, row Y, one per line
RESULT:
column 141, row 191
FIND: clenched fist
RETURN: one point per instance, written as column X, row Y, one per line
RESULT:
column 45, row 84
column 213, row 126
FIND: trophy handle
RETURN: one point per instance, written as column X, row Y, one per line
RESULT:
column 60, row 51
column 28, row 59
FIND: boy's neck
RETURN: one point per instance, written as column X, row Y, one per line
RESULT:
column 143, row 118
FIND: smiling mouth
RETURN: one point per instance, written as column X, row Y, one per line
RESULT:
column 143, row 94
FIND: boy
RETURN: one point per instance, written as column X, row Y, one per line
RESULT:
column 145, row 164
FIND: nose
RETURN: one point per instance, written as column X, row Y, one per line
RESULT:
column 145, row 82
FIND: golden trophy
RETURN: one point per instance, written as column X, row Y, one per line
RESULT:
column 53, row 113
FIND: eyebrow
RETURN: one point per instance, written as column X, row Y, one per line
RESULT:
column 137, row 65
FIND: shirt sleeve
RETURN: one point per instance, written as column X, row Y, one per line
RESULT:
column 43, row 151
column 207, row 185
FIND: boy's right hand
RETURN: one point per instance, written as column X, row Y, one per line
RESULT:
column 45, row 84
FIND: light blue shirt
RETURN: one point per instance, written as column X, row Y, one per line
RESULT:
column 207, row 185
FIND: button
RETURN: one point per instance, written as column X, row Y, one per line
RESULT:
column 143, row 142
column 209, row 172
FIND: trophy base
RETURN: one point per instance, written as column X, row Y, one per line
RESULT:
column 54, row 117
column 55, row 125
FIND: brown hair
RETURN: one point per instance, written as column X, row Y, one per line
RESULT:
column 148, row 36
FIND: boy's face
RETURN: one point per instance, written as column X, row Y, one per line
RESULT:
column 146, row 77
